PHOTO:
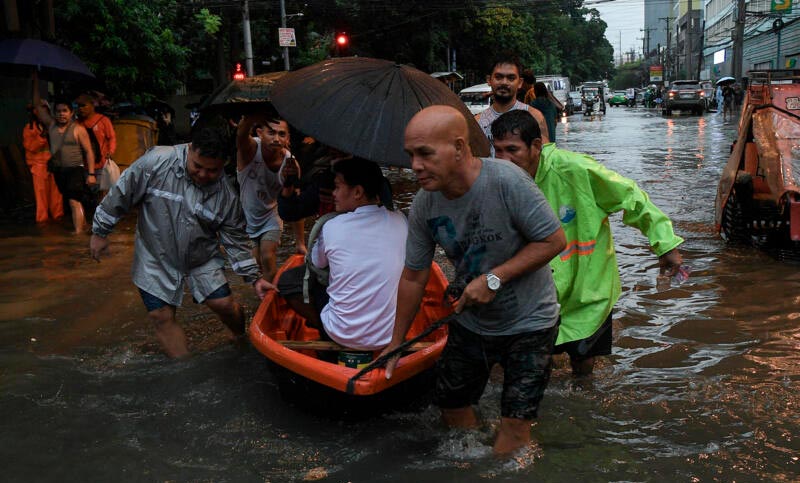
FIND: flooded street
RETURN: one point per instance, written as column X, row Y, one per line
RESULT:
column 702, row 384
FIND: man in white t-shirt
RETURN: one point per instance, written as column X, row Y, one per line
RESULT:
column 364, row 250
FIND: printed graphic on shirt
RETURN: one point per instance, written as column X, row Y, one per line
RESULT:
column 468, row 250
column 566, row 214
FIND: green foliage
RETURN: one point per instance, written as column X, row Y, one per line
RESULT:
column 210, row 22
column 146, row 48
column 631, row 74
column 128, row 44
column 316, row 48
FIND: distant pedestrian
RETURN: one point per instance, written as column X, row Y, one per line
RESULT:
column 103, row 131
column 49, row 203
column 72, row 156
column 546, row 107
column 727, row 102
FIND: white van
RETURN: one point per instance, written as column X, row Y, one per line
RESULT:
column 558, row 85
column 477, row 98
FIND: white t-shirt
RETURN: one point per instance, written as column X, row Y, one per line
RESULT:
column 365, row 250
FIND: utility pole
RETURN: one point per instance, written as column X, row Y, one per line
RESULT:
column 738, row 40
column 668, row 51
column 687, row 43
column 248, row 42
column 620, row 47
column 647, row 40
column 283, row 25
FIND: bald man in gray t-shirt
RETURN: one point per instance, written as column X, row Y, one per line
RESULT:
column 499, row 232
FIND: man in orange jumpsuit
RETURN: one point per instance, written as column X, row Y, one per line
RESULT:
column 49, row 203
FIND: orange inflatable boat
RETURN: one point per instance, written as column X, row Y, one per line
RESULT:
column 282, row 336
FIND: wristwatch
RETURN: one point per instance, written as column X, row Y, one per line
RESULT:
column 493, row 281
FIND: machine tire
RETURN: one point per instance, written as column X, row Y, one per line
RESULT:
column 734, row 225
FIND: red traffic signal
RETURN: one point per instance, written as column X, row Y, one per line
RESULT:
column 238, row 74
column 342, row 40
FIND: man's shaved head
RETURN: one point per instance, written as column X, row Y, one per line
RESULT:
column 443, row 120
column 437, row 140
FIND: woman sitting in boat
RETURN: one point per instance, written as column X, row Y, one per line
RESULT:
column 363, row 247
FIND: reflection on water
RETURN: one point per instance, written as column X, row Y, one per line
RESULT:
column 702, row 384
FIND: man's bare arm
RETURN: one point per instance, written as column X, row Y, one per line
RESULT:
column 44, row 116
column 409, row 297
column 245, row 144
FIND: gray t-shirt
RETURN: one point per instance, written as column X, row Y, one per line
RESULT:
column 501, row 213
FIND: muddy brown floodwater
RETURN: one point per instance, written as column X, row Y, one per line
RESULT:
column 702, row 384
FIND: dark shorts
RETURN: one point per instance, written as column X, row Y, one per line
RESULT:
column 151, row 302
column 291, row 283
column 597, row 344
column 463, row 369
column 71, row 182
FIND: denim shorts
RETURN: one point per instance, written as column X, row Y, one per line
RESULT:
column 151, row 302
column 463, row 370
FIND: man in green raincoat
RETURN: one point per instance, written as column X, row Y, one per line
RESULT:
column 583, row 193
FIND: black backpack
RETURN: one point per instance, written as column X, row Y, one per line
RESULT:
column 95, row 144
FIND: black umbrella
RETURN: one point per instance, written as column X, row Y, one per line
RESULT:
column 242, row 96
column 53, row 62
column 361, row 106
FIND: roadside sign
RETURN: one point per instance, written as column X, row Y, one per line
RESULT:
column 286, row 38
column 656, row 73
column 781, row 6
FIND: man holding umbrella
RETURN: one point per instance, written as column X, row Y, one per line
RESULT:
column 499, row 232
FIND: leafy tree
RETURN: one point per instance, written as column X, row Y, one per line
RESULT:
column 129, row 45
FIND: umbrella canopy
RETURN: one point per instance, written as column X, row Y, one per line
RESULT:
column 726, row 80
column 240, row 96
column 52, row 61
column 361, row 106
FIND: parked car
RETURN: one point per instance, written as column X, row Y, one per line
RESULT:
column 618, row 98
column 574, row 103
column 477, row 98
column 684, row 95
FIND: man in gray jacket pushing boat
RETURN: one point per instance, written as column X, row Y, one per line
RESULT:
column 186, row 208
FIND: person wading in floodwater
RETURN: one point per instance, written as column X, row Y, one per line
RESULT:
column 186, row 208
column 507, row 313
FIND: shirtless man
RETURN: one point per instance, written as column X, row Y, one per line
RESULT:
column 505, row 80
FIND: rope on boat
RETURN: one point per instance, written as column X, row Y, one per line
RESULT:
column 381, row 361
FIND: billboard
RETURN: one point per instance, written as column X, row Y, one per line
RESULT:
column 656, row 73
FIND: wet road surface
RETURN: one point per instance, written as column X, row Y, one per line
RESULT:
column 702, row 384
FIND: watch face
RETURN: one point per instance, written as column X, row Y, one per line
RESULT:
column 492, row 281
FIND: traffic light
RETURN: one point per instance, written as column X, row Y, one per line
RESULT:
column 238, row 74
column 342, row 44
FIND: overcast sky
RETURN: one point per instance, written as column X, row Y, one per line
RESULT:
column 627, row 17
